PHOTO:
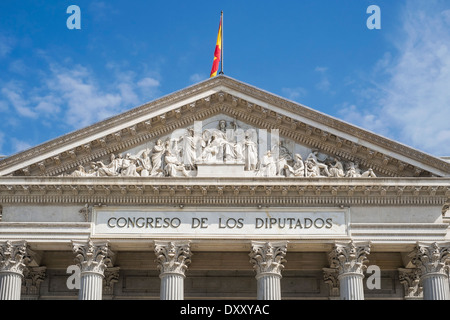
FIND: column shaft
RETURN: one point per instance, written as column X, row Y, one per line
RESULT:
column 351, row 286
column 435, row 287
column 172, row 286
column 10, row 286
column 91, row 286
column 269, row 287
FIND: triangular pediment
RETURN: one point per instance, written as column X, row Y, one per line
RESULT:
column 271, row 121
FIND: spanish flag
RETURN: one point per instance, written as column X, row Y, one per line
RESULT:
column 218, row 51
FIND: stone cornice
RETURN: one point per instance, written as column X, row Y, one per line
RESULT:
column 209, row 98
column 225, row 191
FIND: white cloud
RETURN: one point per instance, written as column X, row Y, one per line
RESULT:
column 14, row 95
column 86, row 101
column 197, row 77
column 19, row 145
column 413, row 104
column 47, row 107
column 324, row 83
column 73, row 96
column 2, row 140
column 6, row 45
column 294, row 93
column 3, row 106
column 148, row 83
column 18, row 66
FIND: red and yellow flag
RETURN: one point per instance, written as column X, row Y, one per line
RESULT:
column 217, row 52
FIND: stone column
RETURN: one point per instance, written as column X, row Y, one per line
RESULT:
column 14, row 257
column 349, row 259
column 267, row 259
column 173, row 258
column 432, row 259
column 92, row 258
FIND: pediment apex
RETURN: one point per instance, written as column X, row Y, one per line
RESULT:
column 235, row 99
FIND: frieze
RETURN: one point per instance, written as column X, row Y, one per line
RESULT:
column 184, row 154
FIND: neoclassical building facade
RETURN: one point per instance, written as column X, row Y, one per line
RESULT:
column 224, row 191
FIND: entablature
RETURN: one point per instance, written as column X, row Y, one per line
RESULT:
column 226, row 191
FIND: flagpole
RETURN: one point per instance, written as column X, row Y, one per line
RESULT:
column 221, row 43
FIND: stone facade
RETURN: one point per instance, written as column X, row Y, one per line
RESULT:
column 222, row 190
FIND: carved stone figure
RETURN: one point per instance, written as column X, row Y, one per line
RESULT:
column 337, row 170
column 312, row 170
column 130, row 170
column 268, row 166
column 189, row 154
column 316, row 166
column 354, row 172
column 93, row 171
column 298, row 170
column 157, row 154
column 173, row 165
column 250, row 153
column 144, row 164
column 108, row 170
column 80, row 172
column 211, row 150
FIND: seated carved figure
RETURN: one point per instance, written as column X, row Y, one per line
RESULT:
column 268, row 166
column 173, row 165
column 108, row 170
column 298, row 170
column 337, row 170
column 318, row 166
column 354, row 172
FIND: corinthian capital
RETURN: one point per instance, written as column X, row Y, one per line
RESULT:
column 33, row 276
column 14, row 256
column 268, row 257
column 431, row 257
column 349, row 257
column 331, row 277
column 410, row 279
column 93, row 256
column 173, row 256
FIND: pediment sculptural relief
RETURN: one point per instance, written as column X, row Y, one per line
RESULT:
column 223, row 141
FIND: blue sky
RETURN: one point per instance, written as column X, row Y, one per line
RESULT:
column 394, row 81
